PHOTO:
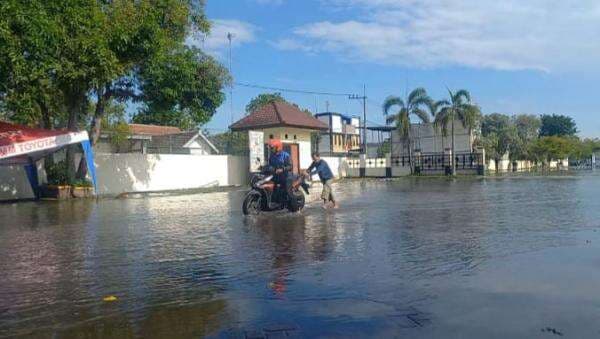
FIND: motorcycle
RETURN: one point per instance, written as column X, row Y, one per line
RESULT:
column 266, row 196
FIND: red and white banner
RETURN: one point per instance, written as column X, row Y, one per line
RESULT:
column 17, row 140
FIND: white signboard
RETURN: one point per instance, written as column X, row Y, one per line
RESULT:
column 41, row 144
column 336, row 124
column 257, row 150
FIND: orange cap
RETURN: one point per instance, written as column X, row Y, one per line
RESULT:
column 276, row 144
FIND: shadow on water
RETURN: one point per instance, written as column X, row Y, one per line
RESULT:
column 395, row 259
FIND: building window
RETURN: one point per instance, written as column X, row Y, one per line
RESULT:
column 270, row 136
column 295, row 137
column 286, row 136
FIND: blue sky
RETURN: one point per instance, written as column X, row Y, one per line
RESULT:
column 535, row 56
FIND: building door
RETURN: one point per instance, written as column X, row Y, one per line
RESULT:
column 294, row 152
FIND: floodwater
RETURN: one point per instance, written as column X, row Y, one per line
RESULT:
column 432, row 258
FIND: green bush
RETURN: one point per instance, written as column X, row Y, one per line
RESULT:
column 57, row 174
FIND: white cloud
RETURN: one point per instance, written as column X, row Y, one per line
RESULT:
column 508, row 35
column 293, row 45
column 216, row 42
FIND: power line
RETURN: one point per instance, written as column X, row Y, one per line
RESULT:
column 243, row 84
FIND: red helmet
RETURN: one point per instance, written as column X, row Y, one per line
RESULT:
column 276, row 144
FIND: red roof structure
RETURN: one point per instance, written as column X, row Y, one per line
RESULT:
column 17, row 142
column 278, row 114
column 141, row 129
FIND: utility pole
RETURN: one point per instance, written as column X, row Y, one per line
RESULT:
column 327, row 106
column 364, row 126
column 229, row 38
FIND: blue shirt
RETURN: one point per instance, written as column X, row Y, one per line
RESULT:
column 280, row 160
column 321, row 168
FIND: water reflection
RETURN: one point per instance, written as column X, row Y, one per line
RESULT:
column 190, row 266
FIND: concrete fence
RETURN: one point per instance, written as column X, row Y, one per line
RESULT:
column 130, row 172
column 120, row 173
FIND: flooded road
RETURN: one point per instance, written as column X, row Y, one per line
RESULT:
column 493, row 258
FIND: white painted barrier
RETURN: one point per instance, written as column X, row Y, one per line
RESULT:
column 131, row 172
column 119, row 173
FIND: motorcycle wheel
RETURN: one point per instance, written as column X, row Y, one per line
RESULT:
column 252, row 204
column 296, row 202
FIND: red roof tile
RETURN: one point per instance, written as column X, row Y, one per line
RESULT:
column 141, row 129
column 278, row 114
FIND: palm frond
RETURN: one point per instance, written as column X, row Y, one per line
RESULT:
column 391, row 119
column 417, row 97
column 434, row 106
column 442, row 121
column 463, row 94
column 442, row 103
column 421, row 114
column 390, row 102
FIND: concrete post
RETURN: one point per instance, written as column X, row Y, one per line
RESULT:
column 593, row 161
column 418, row 161
column 363, row 164
column 481, row 167
column 388, row 165
column 450, row 163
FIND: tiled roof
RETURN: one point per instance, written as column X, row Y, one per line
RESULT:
column 141, row 129
column 278, row 114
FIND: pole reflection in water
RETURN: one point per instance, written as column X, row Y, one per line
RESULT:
column 410, row 257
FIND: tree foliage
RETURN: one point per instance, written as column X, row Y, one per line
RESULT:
column 557, row 125
column 527, row 130
column 57, row 57
column 263, row 99
column 498, row 135
column 181, row 88
column 415, row 105
column 546, row 149
column 234, row 143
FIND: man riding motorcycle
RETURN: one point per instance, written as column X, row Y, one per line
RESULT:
column 275, row 188
column 281, row 164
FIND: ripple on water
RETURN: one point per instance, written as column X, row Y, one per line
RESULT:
column 194, row 265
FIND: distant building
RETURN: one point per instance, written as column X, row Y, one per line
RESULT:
column 342, row 136
column 281, row 120
column 158, row 140
column 429, row 139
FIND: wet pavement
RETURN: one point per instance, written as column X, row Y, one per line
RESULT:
column 425, row 258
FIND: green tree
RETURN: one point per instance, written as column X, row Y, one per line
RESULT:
column 236, row 143
column 583, row 149
column 527, row 131
column 263, row 99
column 498, row 134
column 557, row 125
column 58, row 56
column 546, row 149
column 182, row 88
column 459, row 108
column 415, row 104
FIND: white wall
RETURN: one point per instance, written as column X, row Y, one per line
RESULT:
column 338, row 166
column 302, row 139
column 131, row 172
column 119, row 173
column 429, row 139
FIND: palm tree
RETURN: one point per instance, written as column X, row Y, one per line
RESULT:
column 435, row 108
column 459, row 108
column 412, row 106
